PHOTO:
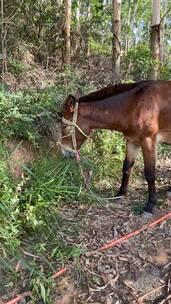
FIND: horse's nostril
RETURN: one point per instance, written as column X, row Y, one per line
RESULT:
column 67, row 154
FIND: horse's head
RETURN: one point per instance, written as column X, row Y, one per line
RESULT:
column 74, row 129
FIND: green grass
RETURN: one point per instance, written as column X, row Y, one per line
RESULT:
column 32, row 220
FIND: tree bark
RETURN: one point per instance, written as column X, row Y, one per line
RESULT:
column 116, row 40
column 78, row 26
column 67, row 33
column 88, row 29
column 163, row 32
column 3, row 39
column 155, row 38
column 127, row 37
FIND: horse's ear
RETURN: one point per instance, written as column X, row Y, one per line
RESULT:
column 78, row 94
column 71, row 103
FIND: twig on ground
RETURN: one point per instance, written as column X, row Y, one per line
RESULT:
column 132, row 292
column 166, row 300
column 31, row 255
column 151, row 292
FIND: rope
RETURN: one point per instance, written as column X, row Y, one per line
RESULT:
column 73, row 125
column 135, row 232
column 104, row 247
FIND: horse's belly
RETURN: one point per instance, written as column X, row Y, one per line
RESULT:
column 164, row 137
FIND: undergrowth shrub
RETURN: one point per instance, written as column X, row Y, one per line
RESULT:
column 9, row 211
column 165, row 72
column 106, row 153
column 16, row 67
column 27, row 114
column 137, row 63
column 22, row 112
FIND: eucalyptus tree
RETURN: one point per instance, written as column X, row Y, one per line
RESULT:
column 3, row 40
column 67, row 33
column 155, row 38
column 116, row 39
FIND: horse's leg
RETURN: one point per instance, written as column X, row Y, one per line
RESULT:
column 149, row 155
column 131, row 153
column 169, row 192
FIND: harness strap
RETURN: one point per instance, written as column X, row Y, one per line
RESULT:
column 73, row 125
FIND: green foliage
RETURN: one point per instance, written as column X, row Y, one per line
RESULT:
column 135, row 17
column 98, row 47
column 30, row 114
column 106, row 154
column 165, row 72
column 16, row 67
column 137, row 62
column 31, row 208
column 9, row 211
column 22, row 112
column 51, row 182
column 38, row 26
column 41, row 286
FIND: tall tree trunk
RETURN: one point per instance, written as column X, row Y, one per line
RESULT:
column 88, row 29
column 116, row 40
column 67, row 33
column 132, row 12
column 155, row 38
column 3, row 40
column 127, row 37
column 78, row 26
column 132, row 23
column 163, row 30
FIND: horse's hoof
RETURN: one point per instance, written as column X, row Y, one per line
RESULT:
column 149, row 207
column 168, row 193
column 147, row 215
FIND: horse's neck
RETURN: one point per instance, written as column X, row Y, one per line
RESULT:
column 104, row 115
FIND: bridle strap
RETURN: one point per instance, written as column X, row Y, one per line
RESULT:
column 74, row 126
column 70, row 123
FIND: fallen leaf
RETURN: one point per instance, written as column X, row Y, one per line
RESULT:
column 161, row 258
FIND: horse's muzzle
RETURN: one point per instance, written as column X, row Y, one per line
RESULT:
column 67, row 153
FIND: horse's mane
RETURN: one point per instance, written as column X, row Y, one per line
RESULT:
column 110, row 91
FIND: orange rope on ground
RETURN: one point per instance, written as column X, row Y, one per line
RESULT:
column 135, row 232
column 59, row 273
column 19, row 297
column 26, row 294
column 104, row 247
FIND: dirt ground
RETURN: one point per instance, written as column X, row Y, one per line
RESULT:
column 135, row 271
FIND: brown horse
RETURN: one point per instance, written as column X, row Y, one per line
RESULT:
column 141, row 111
